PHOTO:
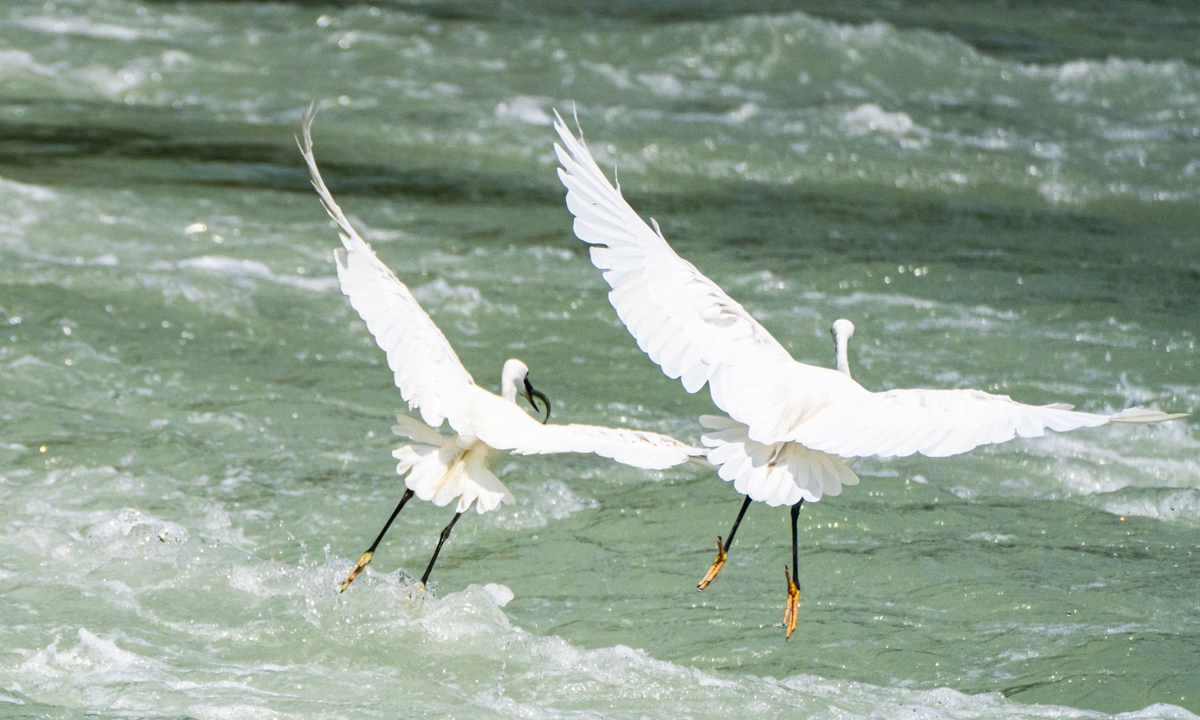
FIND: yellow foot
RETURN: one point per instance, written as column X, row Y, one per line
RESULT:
column 714, row 568
column 363, row 561
column 793, row 604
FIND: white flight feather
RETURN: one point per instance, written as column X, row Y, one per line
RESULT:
column 427, row 370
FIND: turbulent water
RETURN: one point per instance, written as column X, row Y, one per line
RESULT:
column 195, row 443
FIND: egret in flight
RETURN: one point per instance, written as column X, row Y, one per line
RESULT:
column 433, row 380
column 792, row 429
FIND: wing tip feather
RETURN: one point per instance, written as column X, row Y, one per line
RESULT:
column 1145, row 415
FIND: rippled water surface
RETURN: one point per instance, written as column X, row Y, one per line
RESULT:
column 194, row 425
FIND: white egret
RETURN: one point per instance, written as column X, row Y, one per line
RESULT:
column 792, row 428
column 433, row 380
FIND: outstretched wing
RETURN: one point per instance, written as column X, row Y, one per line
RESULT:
column 504, row 426
column 427, row 371
column 680, row 318
column 696, row 332
column 939, row 423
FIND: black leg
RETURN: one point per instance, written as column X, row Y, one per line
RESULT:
column 791, row 610
column 723, row 549
column 366, row 557
column 438, row 549
column 795, row 516
column 733, row 531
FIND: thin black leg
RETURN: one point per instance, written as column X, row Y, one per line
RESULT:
column 370, row 553
column 791, row 610
column 723, row 549
column 403, row 501
column 733, row 531
column 438, row 549
column 795, row 516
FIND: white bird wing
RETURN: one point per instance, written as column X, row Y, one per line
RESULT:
column 939, row 423
column 427, row 370
column 504, row 426
column 696, row 332
column 684, row 321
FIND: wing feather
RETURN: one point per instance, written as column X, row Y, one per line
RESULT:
column 504, row 426
column 638, row 448
column 696, row 332
column 680, row 318
column 936, row 423
column 426, row 369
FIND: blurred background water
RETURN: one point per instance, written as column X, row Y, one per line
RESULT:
column 195, row 440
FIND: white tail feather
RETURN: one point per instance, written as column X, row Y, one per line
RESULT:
column 777, row 474
column 439, row 470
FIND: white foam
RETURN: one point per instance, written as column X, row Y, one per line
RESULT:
column 501, row 594
column 1181, row 505
column 459, row 299
column 460, row 650
column 26, row 192
column 232, row 267
column 118, row 531
column 1112, row 458
column 235, row 711
column 535, row 507
column 11, row 60
column 664, row 84
column 869, row 117
column 525, row 109
column 86, row 27
column 93, row 656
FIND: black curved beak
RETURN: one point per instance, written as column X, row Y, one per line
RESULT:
column 530, row 394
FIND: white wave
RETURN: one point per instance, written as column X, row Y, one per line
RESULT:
column 664, row 84
column 1183, row 505
column 26, row 192
column 528, row 110
column 11, row 60
column 236, row 711
column 29, row 360
column 385, row 642
column 93, row 657
column 232, row 267
column 1114, row 458
column 555, row 676
column 869, row 117
column 61, row 79
column 459, row 299
column 1113, row 70
column 88, row 28
column 117, row 533
column 536, row 507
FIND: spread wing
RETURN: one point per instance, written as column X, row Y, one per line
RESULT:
column 939, row 423
column 427, row 370
column 697, row 333
column 504, row 426
column 680, row 318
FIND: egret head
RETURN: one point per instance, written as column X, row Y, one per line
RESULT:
column 842, row 330
column 514, row 381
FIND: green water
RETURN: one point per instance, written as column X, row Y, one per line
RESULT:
column 195, row 442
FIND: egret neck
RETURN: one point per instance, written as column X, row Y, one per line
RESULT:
column 842, row 331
